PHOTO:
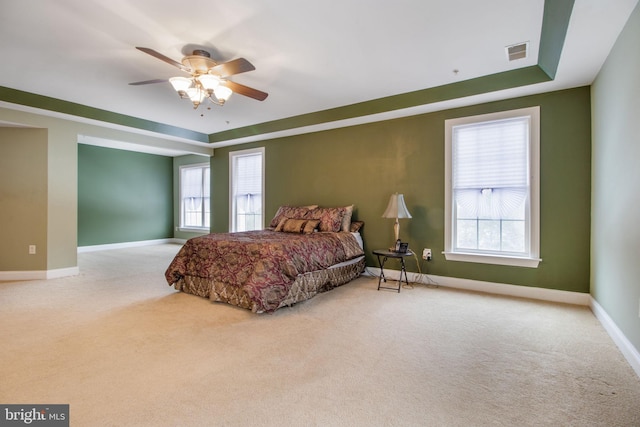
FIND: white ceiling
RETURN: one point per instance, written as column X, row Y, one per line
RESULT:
column 309, row 56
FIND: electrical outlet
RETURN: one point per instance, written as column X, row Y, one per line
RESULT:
column 32, row 249
column 426, row 254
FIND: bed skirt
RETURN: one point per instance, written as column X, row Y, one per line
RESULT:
column 304, row 287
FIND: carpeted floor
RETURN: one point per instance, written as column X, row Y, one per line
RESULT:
column 123, row 348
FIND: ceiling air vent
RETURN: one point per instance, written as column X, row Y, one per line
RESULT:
column 517, row 51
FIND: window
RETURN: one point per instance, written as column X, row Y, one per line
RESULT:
column 492, row 188
column 195, row 209
column 246, row 169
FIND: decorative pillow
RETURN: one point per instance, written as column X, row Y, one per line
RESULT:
column 330, row 218
column 311, row 226
column 356, row 226
column 290, row 212
column 297, row 225
column 346, row 220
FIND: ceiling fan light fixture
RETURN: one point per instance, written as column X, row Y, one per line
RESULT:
column 206, row 80
column 222, row 93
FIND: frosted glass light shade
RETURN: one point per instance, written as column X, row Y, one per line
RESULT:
column 195, row 95
column 208, row 81
column 180, row 84
column 223, row 93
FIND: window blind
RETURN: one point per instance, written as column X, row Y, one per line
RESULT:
column 491, row 168
column 491, row 154
column 195, row 190
column 247, row 176
column 192, row 183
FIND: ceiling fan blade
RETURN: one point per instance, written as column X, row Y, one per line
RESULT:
column 163, row 58
column 235, row 66
column 148, row 82
column 246, row 90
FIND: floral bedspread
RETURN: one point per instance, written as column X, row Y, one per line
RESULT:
column 264, row 263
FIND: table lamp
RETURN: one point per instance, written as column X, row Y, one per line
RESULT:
column 396, row 209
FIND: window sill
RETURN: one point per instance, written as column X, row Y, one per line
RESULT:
column 194, row 230
column 493, row 259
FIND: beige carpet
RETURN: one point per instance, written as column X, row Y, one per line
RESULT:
column 124, row 349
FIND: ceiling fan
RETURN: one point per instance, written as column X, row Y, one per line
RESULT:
column 208, row 78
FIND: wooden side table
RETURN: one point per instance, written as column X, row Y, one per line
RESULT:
column 383, row 255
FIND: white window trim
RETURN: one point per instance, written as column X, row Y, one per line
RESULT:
column 533, row 260
column 232, row 206
column 180, row 218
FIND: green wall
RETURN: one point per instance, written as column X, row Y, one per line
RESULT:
column 615, row 274
column 23, row 197
column 365, row 164
column 123, row 196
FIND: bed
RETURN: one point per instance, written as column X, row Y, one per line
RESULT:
column 304, row 251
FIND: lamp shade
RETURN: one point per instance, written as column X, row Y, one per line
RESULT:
column 396, row 207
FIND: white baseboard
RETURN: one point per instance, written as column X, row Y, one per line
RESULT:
column 124, row 245
column 543, row 294
column 626, row 348
column 39, row 274
column 23, row 275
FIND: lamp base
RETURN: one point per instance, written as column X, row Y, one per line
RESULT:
column 396, row 229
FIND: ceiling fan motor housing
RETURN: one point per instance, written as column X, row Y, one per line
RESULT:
column 200, row 61
column 200, row 52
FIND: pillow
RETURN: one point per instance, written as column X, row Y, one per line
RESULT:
column 297, row 225
column 290, row 212
column 356, row 226
column 330, row 218
column 346, row 219
column 311, row 226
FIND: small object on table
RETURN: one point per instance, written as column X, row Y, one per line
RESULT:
column 383, row 255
